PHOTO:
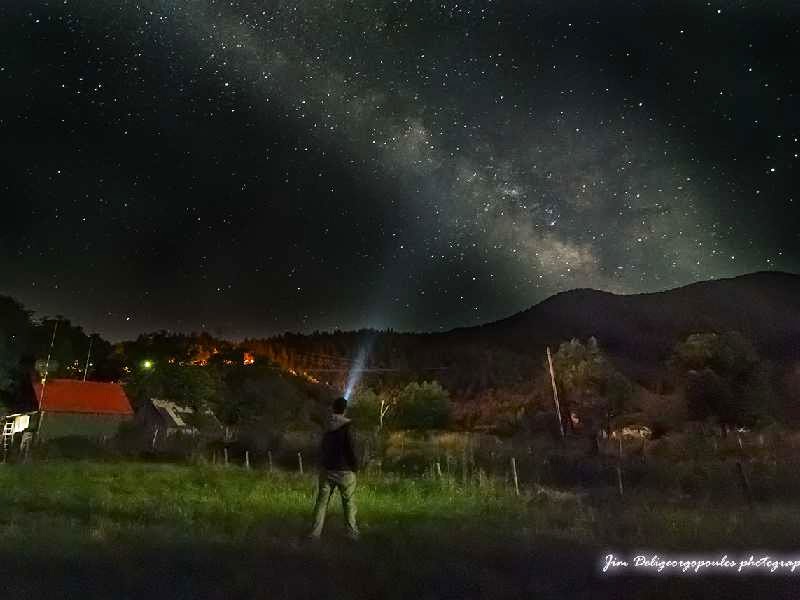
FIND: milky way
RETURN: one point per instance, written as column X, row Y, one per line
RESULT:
column 253, row 167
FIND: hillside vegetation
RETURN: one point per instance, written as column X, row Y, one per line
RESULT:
column 494, row 376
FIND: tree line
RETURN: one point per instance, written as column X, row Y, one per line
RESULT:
column 413, row 380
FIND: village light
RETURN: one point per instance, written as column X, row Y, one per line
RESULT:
column 147, row 364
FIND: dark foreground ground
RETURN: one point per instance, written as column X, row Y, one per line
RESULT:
column 84, row 530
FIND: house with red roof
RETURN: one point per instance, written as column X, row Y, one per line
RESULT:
column 67, row 407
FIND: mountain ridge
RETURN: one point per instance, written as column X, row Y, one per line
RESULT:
column 637, row 331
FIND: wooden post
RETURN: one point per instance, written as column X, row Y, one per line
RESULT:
column 39, row 438
column 44, row 383
column 269, row 460
column 247, row 459
column 464, row 469
column 213, row 457
column 471, row 453
column 225, row 453
column 88, row 357
column 300, row 462
column 619, row 469
column 439, row 470
column 555, row 393
column 514, row 475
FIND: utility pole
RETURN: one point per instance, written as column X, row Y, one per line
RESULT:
column 47, row 363
column 44, row 380
column 555, row 393
column 88, row 357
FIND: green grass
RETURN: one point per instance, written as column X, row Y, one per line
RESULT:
column 224, row 503
column 100, row 530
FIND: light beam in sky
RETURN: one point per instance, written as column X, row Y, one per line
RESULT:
column 357, row 369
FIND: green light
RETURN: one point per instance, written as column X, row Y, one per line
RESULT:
column 148, row 364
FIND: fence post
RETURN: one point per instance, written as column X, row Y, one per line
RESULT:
column 514, row 475
column 247, row 459
column 439, row 470
column 619, row 469
column 365, row 454
column 269, row 459
column 225, row 453
column 300, row 462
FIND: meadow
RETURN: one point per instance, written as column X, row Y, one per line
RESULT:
column 89, row 529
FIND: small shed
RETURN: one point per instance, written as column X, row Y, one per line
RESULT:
column 67, row 407
column 165, row 418
column 16, row 427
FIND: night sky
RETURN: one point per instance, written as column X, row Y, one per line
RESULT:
column 248, row 168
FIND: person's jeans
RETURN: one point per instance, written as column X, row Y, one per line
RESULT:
column 329, row 482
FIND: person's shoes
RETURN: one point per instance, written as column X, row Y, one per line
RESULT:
column 311, row 537
column 353, row 536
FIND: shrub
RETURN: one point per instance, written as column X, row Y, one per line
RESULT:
column 423, row 405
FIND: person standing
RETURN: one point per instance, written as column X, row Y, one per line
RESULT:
column 338, row 471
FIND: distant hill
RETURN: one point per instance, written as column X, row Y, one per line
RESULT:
column 638, row 331
column 641, row 329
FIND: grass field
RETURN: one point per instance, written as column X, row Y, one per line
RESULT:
column 134, row 530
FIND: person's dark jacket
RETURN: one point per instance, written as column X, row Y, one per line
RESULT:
column 338, row 453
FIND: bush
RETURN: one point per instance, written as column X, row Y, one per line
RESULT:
column 725, row 378
column 423, row 405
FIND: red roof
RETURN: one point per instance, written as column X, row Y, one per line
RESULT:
column 70, row 395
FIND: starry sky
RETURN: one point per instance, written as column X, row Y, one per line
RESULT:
column 248, row 168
